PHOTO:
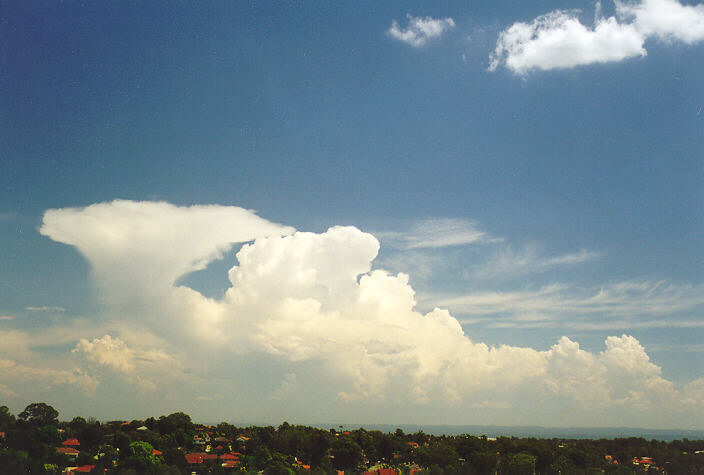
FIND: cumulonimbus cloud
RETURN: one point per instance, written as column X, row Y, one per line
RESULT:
column 559, row 40
column 307, row 298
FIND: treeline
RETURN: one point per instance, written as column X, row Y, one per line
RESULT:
column 35, row 441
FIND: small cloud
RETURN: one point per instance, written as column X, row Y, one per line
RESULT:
column 420, row 29
column 7, row 392
column 437, row 233
column 287, row 388
column 491, row 404
column 108, row 351
column 45, row 309
column 211, row 398
column 559, row 40
column 510, row 263
column 7, row 317
column 14, row 373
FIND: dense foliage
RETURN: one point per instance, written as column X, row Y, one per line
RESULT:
column 37, row 442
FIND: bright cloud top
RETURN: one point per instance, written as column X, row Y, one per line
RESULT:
column 312, row 302
column 559, row 39
column 420, row 30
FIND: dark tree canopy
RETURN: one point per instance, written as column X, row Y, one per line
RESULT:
column 29, row 444
column 40, row 413
column 6, row 418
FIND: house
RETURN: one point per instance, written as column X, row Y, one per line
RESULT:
column 643, row 461
column 210, row 458
column 194, row 459
column 381, row 471
column 70, row 451
column 82, row 469
column 71, row 442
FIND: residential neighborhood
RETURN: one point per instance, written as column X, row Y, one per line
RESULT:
column 36, row 441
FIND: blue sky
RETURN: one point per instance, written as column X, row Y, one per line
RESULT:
column 535, row 170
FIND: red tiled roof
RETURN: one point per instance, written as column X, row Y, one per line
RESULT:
column 71, row 441
column 210, row 457
column 230, row 464
column 84, row 469
column 192, row 459
column 229, row 457
column 387, row 471
column 67, row 450
column 158, row 452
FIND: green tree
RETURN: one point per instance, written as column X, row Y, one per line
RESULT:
column 122, row 441
column 7, row 420
column 15, row 461
column 347, row 454
column 142, row 457
column 519, row 464
column 484, row 462
column 40, row 414
column 108, row 455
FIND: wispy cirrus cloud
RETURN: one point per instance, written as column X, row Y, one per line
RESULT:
column 508, row 262
column 627, row 304
column 437, row 233
column 7, row 317
column 46, row 309
column 559, row 39
column 420, row 30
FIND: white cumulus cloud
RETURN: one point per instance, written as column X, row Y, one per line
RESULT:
column 14, row 374
column 138, row 365
column 311, row 304
column 665, row 19
column 420, row 29
column 560, row 40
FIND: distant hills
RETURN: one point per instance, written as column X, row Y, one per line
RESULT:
column 526, row 431
column 548, row 432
